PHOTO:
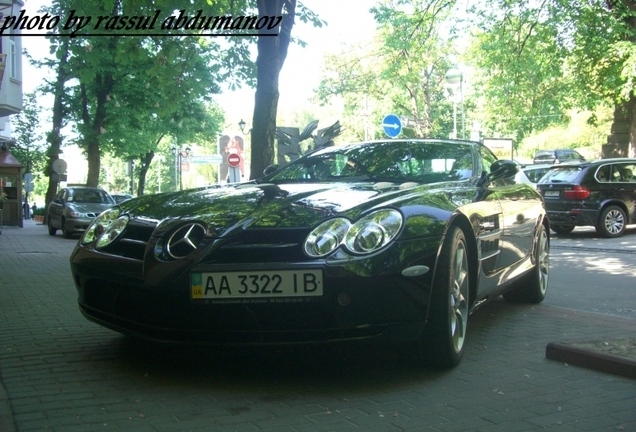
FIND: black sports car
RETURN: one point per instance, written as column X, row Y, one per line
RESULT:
column 389, row 240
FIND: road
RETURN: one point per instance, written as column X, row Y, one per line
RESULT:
column 62, row 373
column 594, row 274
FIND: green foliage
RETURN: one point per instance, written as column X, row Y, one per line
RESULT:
column 520, row 78
column 537, row 60
column 124, row 93
column 403, row 72
column 30, row 147
column 586, row 132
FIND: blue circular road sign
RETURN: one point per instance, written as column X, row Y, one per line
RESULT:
column 392, row 125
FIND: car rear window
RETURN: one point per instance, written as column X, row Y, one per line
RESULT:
column 562, row 175
column 544, row 156
column 535, row 174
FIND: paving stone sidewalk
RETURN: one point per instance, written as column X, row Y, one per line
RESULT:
column 61, row 373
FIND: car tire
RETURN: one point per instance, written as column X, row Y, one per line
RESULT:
column 612, row 222
column 533, row 287
column 562, row 229
column 444, row 337
column 66, row 233
column 52, row 229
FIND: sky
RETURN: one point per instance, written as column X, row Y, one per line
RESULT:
column 348, row 21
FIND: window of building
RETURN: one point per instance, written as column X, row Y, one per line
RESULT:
column 13, row 58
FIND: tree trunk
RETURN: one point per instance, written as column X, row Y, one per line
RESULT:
column 272, row 51
column 54, row 137
column 93, row 129
column 146, row 160
column 631, row 148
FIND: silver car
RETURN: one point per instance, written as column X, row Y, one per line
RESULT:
column 74, row 208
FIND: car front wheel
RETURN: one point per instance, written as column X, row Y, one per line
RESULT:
column 612, row 222
column 562, row 229
column 448, row 312
column 65, row 232
column 52, row 229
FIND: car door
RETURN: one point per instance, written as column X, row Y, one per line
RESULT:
column 56, row 208
column 485, row 214
column 624, row 186
column 521, row 209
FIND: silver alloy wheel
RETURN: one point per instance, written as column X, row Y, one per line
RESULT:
column 543, row 261
column 459, row 297
column 614, row 221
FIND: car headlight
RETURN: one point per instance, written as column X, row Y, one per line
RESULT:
column 105, row 228
column 326, row 237
column 373, row 231
column 367, row 235
column 76, row 214
column 113, row 231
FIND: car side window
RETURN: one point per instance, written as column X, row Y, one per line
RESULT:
column 603, row 174
column 624, row 173
column 487, row 158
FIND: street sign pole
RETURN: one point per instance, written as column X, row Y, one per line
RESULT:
column 234, row 162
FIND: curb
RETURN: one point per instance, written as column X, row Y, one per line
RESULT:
column 568, row 353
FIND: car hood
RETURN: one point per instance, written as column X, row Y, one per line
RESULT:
column 96, row 208
column 267, row 205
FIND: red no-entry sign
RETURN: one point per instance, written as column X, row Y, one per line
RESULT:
column 233, row 159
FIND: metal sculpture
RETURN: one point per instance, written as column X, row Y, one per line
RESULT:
column 289, row 139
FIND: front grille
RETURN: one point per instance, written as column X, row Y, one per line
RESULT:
column 262, row 246
column 133, row 241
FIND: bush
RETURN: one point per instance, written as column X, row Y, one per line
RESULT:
column 39, row 211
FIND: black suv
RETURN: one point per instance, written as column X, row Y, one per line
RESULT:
column 557, row 156
column 600, row 193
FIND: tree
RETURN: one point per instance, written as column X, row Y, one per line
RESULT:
column 272, row 51
column 30, row 146
column 404, row 71
column 541, row 58
column 156, row 75
column 59, row 119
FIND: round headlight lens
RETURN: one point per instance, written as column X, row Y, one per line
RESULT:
column 112, row 231
column 368, row 238
column 374, row 231
column 99, row 225
column 326, row 237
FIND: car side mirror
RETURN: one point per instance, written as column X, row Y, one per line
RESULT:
column 503, row 168
column 271, row 169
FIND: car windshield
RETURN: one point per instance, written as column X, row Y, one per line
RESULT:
column 566, row 174
column 89, row 196
column 423, row 162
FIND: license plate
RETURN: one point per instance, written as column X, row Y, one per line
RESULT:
column 551, row 194
column 256, row 284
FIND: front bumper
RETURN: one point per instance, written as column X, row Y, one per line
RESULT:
column 77, row 225
column 153, row 301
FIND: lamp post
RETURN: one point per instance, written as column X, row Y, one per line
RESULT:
column 455, row 77
column 160, row 159
column 176, row 165
column 178, row 156
column 132, row 177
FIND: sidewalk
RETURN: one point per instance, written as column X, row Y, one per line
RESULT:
column 62, row 373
